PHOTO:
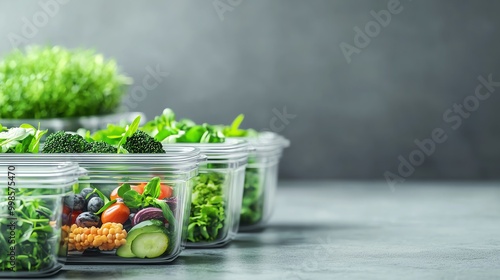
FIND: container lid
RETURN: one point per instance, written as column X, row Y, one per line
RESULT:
column 231, row 150
column 173, row 155
column 39, row 173
column 181, row 162
column 268, row 143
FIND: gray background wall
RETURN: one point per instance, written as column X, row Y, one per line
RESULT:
column 353, row 120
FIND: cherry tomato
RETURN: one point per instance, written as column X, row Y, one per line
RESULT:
column 140, row 188
column 74, row 215
column 114, row 193
column 116, row 213
column 166, row 191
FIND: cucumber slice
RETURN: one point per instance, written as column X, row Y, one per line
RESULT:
column 150, row 245
column 149, row 226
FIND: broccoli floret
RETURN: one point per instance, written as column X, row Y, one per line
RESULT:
column 141, row 143
column 101, row 148
column 62, row 142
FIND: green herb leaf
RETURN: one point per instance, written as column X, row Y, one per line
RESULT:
column 35, row 143
column 54, row 82
column 129, row 130
column 153, row 188
column 35, row 240
column 100, row 194
column 123, row 189
column 106, row 206
column 208, row 213
column 167, row 213
column 237, row 122
column 132, row 199
column 134, row 126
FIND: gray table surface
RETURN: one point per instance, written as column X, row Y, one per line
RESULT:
column 350, row 230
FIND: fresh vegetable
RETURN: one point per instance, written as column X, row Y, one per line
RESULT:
column 53, row 82
column 145, row 214
column 62, row 142
column 252, row 209
column 172, row 203
column 234, row 129
column 117, row 136
column 148, row 198
column 207, row 208
column 148, row 239
column 101, row 148
column 123, row 139
column 116, row 213
column 23, row 139
column 150, row 245
column 165, row 190
column 36, row 234
column 138, row 188
column 87, row 219
column 144, row 199
column 111, row 135
column 108, row 237
column 142, row 143
column 166, row 129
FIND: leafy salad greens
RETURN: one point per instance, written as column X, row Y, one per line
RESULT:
column 207, row 208
column 23, row 139
column 166, row 129
column 54, row 82
column 36, row 239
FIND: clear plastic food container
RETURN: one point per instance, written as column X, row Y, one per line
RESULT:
column 31, row 206
column 130, row 208
column 217, row 193
column 261, row 180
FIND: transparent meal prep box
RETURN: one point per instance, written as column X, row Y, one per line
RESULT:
column 217, row 193
column 130, row 208
column 32, row 191
column 261, row 180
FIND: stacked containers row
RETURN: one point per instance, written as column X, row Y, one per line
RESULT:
column 147, row 198
column 217, row 198
column 261, row 180
column 31, row 206
column 217, row 193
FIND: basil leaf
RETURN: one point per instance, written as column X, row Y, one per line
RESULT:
column 106, row 206
column 131, row 129
column 134, row 126
column 35, row 143
column 153, row 188
column 132, row 199
column 123, row 189
column 162, row 135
